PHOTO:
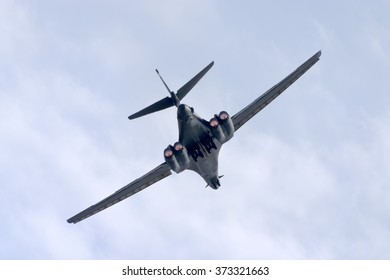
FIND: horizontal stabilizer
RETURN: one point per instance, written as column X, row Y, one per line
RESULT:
column 158, row 106
column 182, row 92
column 174, row 99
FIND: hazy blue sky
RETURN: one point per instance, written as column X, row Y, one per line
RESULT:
column 307, row 178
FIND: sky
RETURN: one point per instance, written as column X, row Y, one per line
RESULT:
column 307, row 178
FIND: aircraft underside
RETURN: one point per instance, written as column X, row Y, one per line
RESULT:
column 204, row 160
column 199, row 144
column 199, row 140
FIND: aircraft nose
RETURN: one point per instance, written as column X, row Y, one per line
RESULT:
column 214, row 183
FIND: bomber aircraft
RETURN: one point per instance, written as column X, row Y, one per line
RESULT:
column 199, row 142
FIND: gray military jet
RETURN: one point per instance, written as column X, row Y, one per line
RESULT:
column 199, row 140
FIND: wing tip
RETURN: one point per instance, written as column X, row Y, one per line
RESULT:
column 71, row 221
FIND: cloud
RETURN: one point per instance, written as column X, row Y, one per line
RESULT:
column 306, row 178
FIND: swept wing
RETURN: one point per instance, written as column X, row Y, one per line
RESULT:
column 260, row 103
column 160, row 172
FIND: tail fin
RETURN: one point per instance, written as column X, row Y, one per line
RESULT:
column 174, row 99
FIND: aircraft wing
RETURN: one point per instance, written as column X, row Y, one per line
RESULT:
column 160, row 172
column 260, row 103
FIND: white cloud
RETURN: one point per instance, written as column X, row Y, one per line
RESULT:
column 307, row 178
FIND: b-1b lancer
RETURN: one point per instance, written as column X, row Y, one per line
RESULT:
column 199, row 142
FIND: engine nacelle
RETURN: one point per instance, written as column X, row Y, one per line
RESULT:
column 170, row 158
column 221, row 127
column 227, row 124
column 177, row 157
column 216, row 130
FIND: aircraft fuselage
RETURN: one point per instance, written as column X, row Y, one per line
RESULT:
column 202, row 147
